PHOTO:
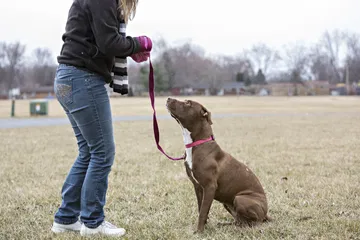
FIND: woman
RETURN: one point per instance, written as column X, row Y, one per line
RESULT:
column 91, row 42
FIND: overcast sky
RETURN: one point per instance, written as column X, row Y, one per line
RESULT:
column 226, row 26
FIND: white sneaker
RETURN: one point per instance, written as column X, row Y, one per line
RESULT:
column 59, row 228
column 105, row 228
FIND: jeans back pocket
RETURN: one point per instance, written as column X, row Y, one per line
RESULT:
column 63, row 87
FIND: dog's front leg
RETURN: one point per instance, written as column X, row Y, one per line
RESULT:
column 208, row 197
column 198, row 189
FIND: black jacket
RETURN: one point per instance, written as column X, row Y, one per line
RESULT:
column 92, row 38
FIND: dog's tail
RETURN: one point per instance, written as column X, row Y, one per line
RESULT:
column 268, row 219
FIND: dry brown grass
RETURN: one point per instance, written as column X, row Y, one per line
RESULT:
column 125, row 106
column 151, row 196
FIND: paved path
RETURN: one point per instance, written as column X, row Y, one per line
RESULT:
column 43, row 121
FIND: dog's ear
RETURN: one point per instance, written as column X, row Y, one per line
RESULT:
column 205, row 113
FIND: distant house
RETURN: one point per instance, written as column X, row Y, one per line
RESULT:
column 263, row 92
column 356, row 88
column 287, row 89
column 134, row 89
column 175, row 91
column 338, row 89
column 191, row 89
column 232, row 88
column 4, row 94
column 201, row 89
column 37, row 92
column 178, row 90
column 319, row 87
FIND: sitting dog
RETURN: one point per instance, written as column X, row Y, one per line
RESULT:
column 214, row 173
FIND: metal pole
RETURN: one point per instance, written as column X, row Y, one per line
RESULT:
column 347, row 80
column 13, row 107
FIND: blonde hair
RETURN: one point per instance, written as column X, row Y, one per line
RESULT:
column 127, row 9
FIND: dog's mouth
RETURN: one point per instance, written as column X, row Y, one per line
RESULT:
column 175, row 117
column 172, row 114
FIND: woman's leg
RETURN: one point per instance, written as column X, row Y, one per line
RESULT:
column 89, row 108
column 69, row 209
column 94, row 119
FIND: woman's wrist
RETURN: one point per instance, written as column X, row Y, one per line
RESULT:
column 142, row 44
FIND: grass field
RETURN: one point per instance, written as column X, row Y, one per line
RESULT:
column 151, row 197
column 125, row 106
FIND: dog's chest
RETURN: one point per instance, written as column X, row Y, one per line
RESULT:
column 188, row 140
column 189, row 156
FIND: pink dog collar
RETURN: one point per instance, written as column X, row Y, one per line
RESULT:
column 196, row 143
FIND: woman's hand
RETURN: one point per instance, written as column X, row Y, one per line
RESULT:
column 145, row 43
column 140, row 57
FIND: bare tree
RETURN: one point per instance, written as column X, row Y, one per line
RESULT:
column 2, row 54
column 169, row 68
column 333, row 44
column 2, row 68
column 183, row 65
column 234, row 65
column 165, row 60
column 42, row 57
column 320, row 66
column 14, row 55
column 43, row 67
column 187, row 65
column 262, row 57
column 353, row 45
column 353, row 57
column 296, row 57
column 159, row 46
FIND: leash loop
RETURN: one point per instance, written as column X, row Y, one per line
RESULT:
column 155, row 124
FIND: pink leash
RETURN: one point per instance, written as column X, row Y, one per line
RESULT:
column 155, row 124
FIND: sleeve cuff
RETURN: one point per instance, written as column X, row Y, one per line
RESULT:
column 137, row 46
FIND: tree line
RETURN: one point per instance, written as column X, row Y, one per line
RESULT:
column 19, row 70
column 334, row 56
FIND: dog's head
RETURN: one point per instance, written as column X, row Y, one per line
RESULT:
column 190, row 114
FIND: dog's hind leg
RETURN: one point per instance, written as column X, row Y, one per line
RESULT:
column 230, row 209
column 233, row 213
column 250, row 210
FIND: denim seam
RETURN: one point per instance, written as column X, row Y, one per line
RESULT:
column 98, row 120
column 101, row 131
column 73, row 185
column 66, row 222
column 71, row 97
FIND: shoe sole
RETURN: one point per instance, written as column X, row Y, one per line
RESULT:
column 62, row 230
column 101, row 234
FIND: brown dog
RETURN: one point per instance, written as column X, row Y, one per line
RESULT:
column 214, row 173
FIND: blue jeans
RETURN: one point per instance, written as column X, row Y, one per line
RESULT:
column 84, row 98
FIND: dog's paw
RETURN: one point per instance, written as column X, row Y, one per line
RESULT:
column 199, row 230
column 220, row 224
